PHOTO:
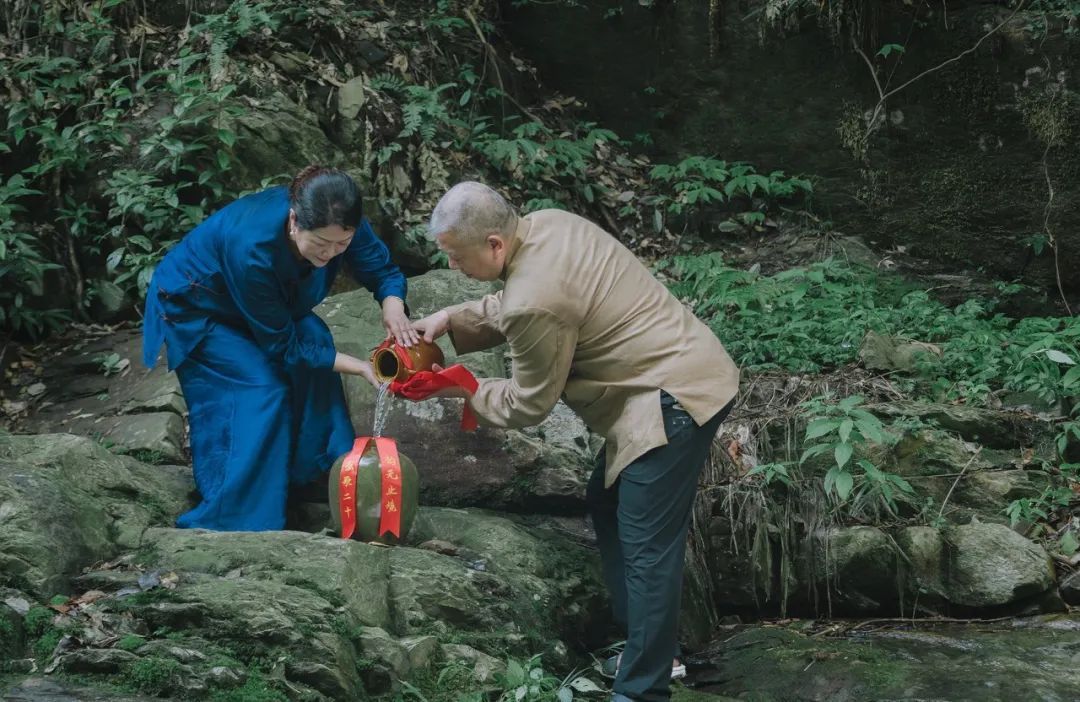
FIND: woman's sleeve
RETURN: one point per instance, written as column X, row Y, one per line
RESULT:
column 260, row 297
column 369, row 262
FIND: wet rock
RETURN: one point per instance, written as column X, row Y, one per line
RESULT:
column 423, row 651
column 989, row 480
column 351, row 98
column 1020, row 660
column 168, row 649
column 12, row 632
column 924, row 549
column 53, row 690
column 378, row 645
column 346, row 618
column 82, row 386
column 222, row 676
column 157, row 393
column 323, row 677
column 276, row 135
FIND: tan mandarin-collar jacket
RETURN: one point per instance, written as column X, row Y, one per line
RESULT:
column 585, row 319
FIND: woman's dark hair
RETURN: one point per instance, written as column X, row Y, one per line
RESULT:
column 322, row 196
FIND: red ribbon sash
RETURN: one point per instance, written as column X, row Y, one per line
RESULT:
column 390, row 499
column 423, row 384
column 390, row 513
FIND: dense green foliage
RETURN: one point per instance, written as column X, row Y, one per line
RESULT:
column 813, row 319
column 113, row 160
column 119, row 135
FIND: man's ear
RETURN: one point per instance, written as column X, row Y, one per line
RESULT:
column 495, row 242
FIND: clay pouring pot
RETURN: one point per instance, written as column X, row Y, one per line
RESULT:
column 393, row 362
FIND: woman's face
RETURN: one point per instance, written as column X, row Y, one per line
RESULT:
column 318, row 246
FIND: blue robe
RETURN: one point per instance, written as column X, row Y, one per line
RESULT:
column 233, row 306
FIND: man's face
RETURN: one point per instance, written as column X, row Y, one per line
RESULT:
column 483, row 261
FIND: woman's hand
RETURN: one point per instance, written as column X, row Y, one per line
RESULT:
column 350, row 365
column 433, row 326
column 397, row 322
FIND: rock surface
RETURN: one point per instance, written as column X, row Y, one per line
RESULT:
column 66, row 502
column 200, row 611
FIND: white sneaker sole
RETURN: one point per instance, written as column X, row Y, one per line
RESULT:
column 678, row 672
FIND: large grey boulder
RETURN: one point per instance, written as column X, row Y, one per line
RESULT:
column 66, row 502
column 542, row 468
column 991, row 565
column 852, row 570
column 925, row 566
column 275, row 136
column 971, row 480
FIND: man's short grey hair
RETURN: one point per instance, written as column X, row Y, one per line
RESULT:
column 472, row 211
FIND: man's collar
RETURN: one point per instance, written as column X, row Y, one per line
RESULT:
column 523, row 227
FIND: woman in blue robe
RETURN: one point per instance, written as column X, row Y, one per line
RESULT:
column 232, row 302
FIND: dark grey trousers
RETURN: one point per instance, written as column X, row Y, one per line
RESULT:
column 641, row 524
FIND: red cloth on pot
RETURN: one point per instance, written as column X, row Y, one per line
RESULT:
column 423, row 384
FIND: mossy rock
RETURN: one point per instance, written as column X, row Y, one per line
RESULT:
column 12, row 637
column 69, row 502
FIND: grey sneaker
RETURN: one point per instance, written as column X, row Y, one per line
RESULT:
column 610, row 668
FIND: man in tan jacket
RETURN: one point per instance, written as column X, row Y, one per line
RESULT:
column 587, row 322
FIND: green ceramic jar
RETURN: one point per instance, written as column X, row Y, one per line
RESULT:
column 369, row 496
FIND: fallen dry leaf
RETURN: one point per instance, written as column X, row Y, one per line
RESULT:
column 734, row 449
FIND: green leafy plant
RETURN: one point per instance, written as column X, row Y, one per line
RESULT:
column 772, row 472
column 698, row 182
column 241, row 19
column 838, row 429
column 536, row 155
column 111, row 363
column 84, row 114
column 527, row 681
column 889, row 49
column 1036, row 509
column 23, row 265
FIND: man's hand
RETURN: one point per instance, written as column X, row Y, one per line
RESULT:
column 433, row 326
column 397, row 322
